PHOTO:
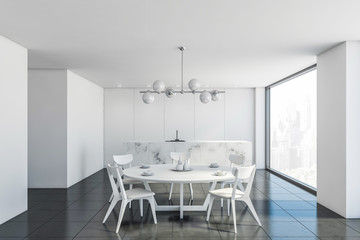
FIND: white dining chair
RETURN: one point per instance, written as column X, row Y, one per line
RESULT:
column 234, row 194
column 126, row 196
column 124, row 161
column 175, row 157
column 235, row 160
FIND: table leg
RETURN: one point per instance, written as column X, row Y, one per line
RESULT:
column 147, row 186
column 181, row 200
column 207, row 199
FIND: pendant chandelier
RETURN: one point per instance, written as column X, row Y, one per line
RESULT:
column 194, row 85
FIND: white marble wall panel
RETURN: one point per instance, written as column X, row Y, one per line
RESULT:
column 201, row 152
column 243, row 149
column 159, row 152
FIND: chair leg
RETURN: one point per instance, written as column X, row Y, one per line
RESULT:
column 152, row 205
column 228, row 207
column 111, row 207
column 222, row 200
column 234, row 214
column 111, row 197
column 210, row 207
column 121, row 215
column 130, row 187
column 252, row 210
column 141, row 208
column 191, row 191
column 171, row 190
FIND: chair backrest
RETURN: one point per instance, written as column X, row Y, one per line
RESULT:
column 241, row 173
column 123, row 160
column 115, row 172
column 184, row 156
column 236, row 159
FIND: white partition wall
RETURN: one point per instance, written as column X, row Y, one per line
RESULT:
column 13, row 129
column 85, row 114
column 339, row 129
column 127, row 118
column 65, row 128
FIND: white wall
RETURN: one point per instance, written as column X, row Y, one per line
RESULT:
column 47, row 128
column 260, row 128
column 127, row 118
column 13, row 129
column 352, row 129
column 119, row 117
column 85, row 112
column 331, row 145
column 338, row 129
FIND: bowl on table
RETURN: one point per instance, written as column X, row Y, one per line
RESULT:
column 145, row 165
column 214, row 165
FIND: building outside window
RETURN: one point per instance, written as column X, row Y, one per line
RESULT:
column 292, row 127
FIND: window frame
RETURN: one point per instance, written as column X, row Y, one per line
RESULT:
column 267, row 130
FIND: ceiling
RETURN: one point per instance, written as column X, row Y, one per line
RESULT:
column 229, row 43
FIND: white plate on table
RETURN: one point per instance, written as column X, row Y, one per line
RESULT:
column 188, row 170
column 220, row 173
column 147, row 173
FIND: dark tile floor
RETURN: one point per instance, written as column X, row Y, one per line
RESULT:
column 286, row 212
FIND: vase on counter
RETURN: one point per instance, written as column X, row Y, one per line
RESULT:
column 180, row 165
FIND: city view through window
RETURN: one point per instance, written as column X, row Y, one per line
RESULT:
column 293, row 128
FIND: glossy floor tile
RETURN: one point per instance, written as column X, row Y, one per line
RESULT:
column 286, row 212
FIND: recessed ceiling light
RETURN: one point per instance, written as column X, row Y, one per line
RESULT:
column 119, row 85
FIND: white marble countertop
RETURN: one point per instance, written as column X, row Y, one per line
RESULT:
column 191, row 141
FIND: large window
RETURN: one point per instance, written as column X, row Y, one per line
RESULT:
column 291, row 127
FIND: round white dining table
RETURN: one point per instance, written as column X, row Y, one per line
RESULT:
column 164, row 173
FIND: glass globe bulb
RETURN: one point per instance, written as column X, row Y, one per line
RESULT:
column 205, row 97
column 148, row 98
column 215, row 95
column 158, row 86
column 194, row 84
column 169, row 92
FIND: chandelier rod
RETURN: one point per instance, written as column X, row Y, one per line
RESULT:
column 182, row 68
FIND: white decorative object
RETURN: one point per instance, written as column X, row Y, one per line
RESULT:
column 215, row 95
column 205, row 97
column 186, row 166
column 179, row 166
column 158, row 86
column 148, row 97
column 194, row 85
column 170, row 92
